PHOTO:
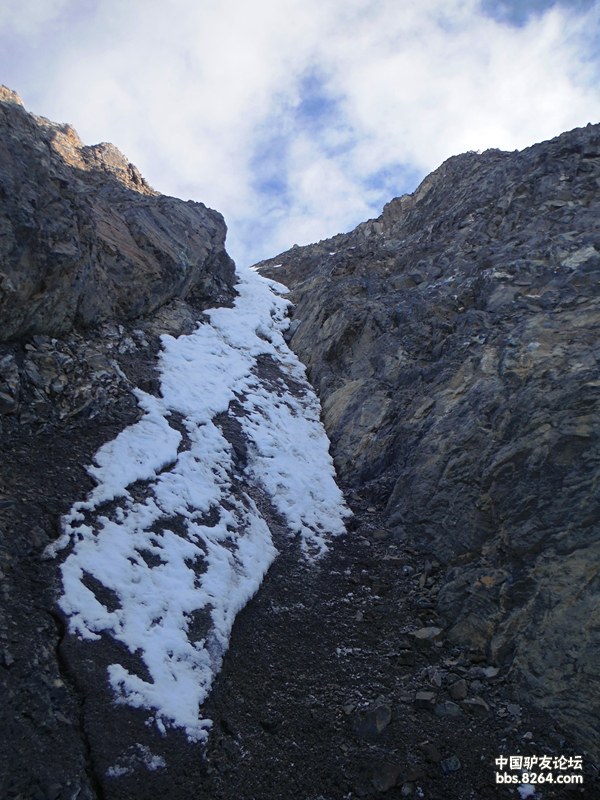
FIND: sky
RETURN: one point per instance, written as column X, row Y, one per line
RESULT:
column 298, row 119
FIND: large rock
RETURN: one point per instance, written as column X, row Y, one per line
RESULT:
column 83, row 238
column 454, row 343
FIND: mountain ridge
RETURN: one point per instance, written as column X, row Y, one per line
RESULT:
column 453, row 343
column 161, row 444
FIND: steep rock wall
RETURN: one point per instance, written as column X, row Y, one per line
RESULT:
column 454, row 342
column 84, row 239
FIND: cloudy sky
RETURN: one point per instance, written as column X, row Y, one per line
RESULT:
column 298, row 119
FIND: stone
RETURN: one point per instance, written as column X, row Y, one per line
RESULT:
column 476, row 704
column 458, row 690
column 450, row 765
column 447, row 709
column 430, row 751
column 490, row 672
column 424, row 699
column 415, row 773
column 381, row 534
column 434, row 676
column 374, row 720
column 7, row 403
column 385, row 776
column 426, row 636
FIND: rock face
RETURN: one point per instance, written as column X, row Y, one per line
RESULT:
column 454, row 342
column 94, row 267
column 84, row 239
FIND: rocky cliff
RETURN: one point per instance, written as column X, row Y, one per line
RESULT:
column 94, row 267
column 454, row 343
column 84, row 239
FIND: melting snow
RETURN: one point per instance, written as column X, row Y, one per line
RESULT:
column 137, row 755
column 193, row 547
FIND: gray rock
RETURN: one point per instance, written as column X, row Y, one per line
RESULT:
column 430, row 751
column 385, row 776
column 447, row 709
column 476, row 704
column 425, row 699
column 426, row 636
column 374, row 720
column 454, row 344
column 85, row 239
column 435, row 677
column 451, row 764
column 458, row 690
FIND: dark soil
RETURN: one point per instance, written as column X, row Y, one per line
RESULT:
column 316, row 699
column 318, row 695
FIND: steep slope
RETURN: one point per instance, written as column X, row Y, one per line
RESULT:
column 162, row 448
column 454, row 344
column 159, row 445
column 86, row 245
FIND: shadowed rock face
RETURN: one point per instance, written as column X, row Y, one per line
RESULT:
column 83, row 238
column 454, row 342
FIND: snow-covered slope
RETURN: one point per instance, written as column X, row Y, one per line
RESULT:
column 171, row 534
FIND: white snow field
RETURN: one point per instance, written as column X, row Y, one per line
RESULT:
column 181, row 550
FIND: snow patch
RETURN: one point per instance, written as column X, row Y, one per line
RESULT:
column 139, row 755
column 166, row 575
column 526, row 790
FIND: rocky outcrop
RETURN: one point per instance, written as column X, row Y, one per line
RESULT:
column 454, row 344
column 84, row 239
column 94, row 267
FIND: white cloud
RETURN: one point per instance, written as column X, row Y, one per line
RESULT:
column 422, row 93
column 29, row 17
column 201, row 95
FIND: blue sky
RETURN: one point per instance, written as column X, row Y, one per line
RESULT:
column 297, row 119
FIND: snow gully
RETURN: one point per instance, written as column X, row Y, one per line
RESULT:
column 192, row 542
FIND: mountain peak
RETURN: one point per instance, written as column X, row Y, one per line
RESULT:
column 9, row 96
column 86, row 239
